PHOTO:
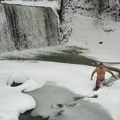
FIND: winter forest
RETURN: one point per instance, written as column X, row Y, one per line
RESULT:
column 50, row 57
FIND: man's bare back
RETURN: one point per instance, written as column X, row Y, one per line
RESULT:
column 101, row 70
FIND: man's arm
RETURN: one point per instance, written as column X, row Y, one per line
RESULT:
column 93, row 74
column 111, row 73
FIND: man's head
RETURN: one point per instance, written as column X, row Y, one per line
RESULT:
column 101, row 65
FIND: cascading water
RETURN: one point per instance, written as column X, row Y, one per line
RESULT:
column 23, row 27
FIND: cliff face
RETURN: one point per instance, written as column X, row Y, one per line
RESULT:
column 24, row 27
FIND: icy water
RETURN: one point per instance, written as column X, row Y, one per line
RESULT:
column 69, row 54
column 27, row 116
column 65, row 106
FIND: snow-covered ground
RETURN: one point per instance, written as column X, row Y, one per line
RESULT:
column 87, row 33
column 73, row 77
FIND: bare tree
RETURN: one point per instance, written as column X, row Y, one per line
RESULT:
column 100, row 5
column 61, row 10
column 63, row 4
column 119, row 7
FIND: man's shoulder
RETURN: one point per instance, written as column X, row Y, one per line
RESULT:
column 97, row 68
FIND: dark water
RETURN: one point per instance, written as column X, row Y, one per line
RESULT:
column 27, row 116
column 71, row 54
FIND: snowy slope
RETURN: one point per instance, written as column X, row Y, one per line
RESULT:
column 89, row 32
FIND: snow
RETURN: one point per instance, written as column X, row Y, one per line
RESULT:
column 11, row 105
column 110, row 100
column 75, row 78
column 17, row 77
column 28, row 86
column 88, row 36
column 87, row 33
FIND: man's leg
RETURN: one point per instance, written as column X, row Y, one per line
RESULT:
column 102, row 83
column 97, row 86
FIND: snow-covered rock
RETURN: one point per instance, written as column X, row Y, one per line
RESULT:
column 17, row 77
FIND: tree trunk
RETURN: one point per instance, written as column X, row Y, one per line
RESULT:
column 100, row 6
column 119, row 7
column 61, row 10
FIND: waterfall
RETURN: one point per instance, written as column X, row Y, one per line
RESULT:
column 24, row 27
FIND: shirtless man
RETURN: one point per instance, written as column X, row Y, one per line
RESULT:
column 101, row 70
